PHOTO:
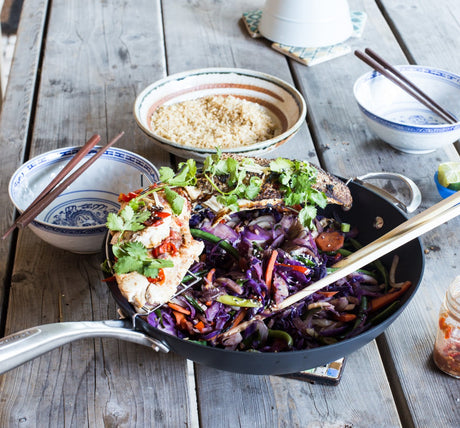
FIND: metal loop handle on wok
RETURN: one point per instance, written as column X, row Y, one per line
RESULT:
column 415, row 196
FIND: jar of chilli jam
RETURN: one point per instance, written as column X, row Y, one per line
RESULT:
column 446, row 353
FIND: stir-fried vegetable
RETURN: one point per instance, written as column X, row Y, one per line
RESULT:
column 257, row 259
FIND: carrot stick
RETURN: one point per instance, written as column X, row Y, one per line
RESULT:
column 301, row 269
column 270, row 267
column 381, row 301
column 345, row 317
column 328, row 293
column 178, row 308
column 239, row 318
column 210, row 275
column 180, row 318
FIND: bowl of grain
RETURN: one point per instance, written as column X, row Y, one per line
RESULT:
column 194, row 113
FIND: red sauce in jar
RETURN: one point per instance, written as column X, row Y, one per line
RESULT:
column 447, row 358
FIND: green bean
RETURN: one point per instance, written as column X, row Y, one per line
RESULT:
column 377, row 263
column 385, row 313
column 194, row 303
column 361, row 312
column 201, row 234
column 344, row 252
column 345, row 227
column 199, row 342
column 188, row 278
column 281, row 335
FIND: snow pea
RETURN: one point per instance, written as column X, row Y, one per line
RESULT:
column 227, row 299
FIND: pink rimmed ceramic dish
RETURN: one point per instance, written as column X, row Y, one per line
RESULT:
column 279, row 99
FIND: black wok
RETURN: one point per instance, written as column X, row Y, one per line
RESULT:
column 367, row 207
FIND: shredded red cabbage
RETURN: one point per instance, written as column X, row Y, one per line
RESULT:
column 339, row 311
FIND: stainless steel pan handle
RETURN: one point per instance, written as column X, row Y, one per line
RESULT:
column 414, row 191
column 25, row 345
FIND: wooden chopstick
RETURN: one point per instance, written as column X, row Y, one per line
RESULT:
column 70, row 165
column 391, row 73
column 404, row 233
column 41, row 203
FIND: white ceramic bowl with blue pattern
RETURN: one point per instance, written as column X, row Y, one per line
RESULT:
column 402, row 121
column 75, row 220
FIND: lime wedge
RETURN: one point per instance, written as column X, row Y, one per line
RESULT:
column 449, row 175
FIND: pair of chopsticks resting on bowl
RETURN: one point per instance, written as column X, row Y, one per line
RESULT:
column 60, row 182
column 383, row 67
column 423, row 222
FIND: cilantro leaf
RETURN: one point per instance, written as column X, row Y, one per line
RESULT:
column 136, row 249
column 115, row 222
column 253, row 189
column 127, row 219
column 185, row 177
column 126, row 264
column 307, row 215
column 152, row 269
column 175, row 200
column 134, row 257
column 166, row 173
column 319, row 198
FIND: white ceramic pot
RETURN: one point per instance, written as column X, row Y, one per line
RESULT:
column 306, row 23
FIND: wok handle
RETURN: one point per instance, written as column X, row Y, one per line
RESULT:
column 415, row 194
column 25, row 345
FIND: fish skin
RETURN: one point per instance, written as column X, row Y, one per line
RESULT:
column 336, row 191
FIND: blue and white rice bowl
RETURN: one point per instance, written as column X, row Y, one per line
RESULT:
column 402, row 121
column 75, row 220
column 280, row 100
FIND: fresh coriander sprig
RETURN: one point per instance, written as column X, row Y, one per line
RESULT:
column 296, row 179
column 133, row 256
column 127, row 220
column 236, row 173
column 185, row 177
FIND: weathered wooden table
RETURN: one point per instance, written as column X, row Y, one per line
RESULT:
column 77, row 69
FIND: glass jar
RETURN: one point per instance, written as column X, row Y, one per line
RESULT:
column 446, row 352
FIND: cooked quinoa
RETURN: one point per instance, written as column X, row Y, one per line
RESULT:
column 214, row 121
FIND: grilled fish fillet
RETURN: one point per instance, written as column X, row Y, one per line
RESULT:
column 203, row 193
column 169, row 239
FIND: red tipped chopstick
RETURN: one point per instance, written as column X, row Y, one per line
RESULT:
column 386, row 69
column 55, row 188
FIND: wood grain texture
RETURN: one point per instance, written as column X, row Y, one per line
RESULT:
column 15, row 121
column 91, row 72
column 413, row 355
column 278, row 401
column 348, row 148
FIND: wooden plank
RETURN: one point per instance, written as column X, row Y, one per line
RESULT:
column 439, row 47
column 14, row 123
column 224, row 43
column 360, row 399
column 413, row 355
column 92, row 70
column 348, row 148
